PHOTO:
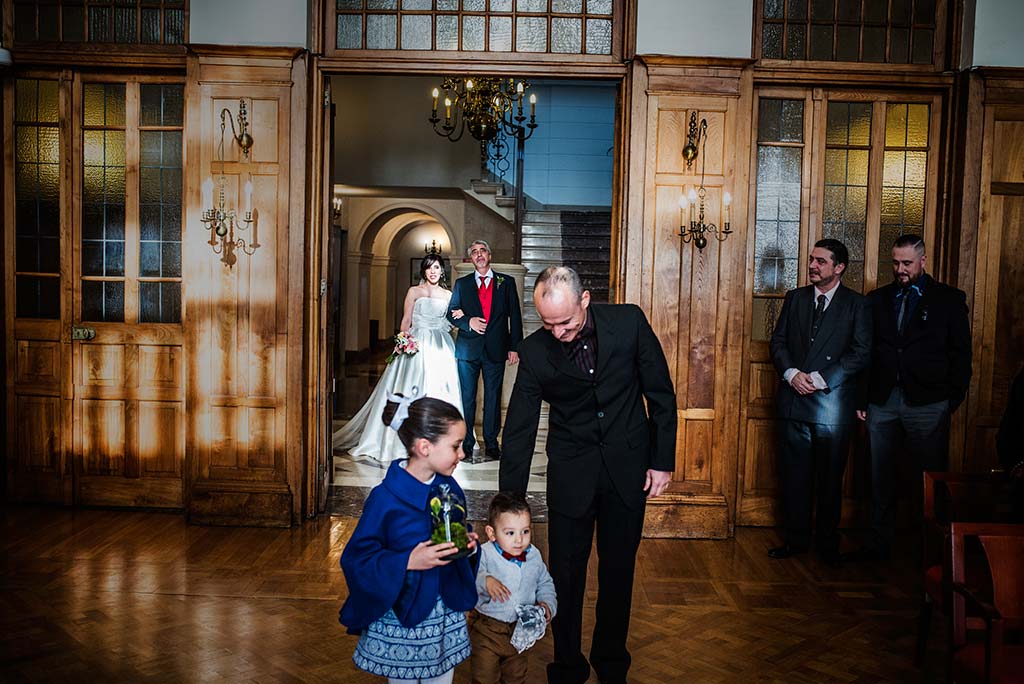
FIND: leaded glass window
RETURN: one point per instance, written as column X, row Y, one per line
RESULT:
column 904, row 175
column 847, row 152
column 879, row 31
column 780, row 150
column 130, row 228
column 146, row 22
column 582, row 27
column 37, row 198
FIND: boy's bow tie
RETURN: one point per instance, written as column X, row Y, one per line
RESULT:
column 513, row 557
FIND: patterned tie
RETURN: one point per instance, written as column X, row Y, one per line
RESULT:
column 902, row 313
column 819, row 313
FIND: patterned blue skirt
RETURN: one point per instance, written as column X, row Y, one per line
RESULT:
column 429, row 649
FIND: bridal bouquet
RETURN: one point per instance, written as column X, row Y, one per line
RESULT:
column 405, row 343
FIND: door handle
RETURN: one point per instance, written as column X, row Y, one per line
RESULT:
column 82, row 333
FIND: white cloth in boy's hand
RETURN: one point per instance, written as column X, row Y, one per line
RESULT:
column 530, row 627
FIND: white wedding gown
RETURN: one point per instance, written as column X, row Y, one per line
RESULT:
column 432, row 369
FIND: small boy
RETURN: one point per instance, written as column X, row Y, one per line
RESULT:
column 511, row 574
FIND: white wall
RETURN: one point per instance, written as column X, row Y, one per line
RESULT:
column 999, row 33
column 248, row 22
column 569, row 157
column 382, row 135
column 696, row 28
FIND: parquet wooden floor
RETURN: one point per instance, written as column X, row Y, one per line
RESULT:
column 104, row 596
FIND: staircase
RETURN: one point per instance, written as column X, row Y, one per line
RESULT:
column 542, row 247
column 492, row 195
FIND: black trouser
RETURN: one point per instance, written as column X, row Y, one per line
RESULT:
column 619, row 530
column 812, row 458
column 902, row 438
column 494, row 375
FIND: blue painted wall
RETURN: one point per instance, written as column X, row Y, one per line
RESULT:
column 569, row 159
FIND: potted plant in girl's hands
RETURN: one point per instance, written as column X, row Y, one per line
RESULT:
column 448, row 521
column 405, row 343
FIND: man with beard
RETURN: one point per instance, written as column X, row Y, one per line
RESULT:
column 920, row 370
column 821, row 341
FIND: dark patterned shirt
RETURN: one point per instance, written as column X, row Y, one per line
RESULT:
column 583, row 349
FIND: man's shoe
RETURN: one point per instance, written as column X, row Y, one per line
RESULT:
column 866, row 554
column 493, row 453
column 785, row 551
column 831, row 558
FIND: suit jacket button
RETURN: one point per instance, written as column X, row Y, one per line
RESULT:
column 600, row 414
column 604, row 444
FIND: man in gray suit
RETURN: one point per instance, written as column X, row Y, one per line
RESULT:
column 821, row 342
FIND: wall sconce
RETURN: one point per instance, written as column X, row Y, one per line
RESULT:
column 336, row 208
column 221, row 221
column 433, row 249
column 691, row 204
column 694, row 135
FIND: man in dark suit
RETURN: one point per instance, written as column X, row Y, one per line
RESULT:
column 821, row 341
column 920, row 371
column 595, row 365
column 490, row 331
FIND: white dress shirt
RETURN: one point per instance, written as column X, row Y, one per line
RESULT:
column 489, row 275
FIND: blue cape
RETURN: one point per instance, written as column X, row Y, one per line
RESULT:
column 395, row 519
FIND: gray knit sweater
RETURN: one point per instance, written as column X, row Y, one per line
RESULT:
column 529, row 583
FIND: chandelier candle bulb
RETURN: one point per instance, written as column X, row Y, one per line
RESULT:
column 447, row 110
column 435, row 94
column 726, row 202
column 533, row 105
column 248, row 197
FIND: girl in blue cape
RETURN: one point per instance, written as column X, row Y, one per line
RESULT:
column 406, row 601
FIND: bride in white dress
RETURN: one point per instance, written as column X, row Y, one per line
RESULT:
column 432, row 369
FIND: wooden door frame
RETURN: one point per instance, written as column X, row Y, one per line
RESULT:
column 318, row 414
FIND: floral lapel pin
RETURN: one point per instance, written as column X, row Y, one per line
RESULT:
column 499, row 279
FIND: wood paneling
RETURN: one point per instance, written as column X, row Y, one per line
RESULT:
column 990, row 264
column 243, row 329
column 692, row 297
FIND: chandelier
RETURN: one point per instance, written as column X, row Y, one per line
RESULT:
column 225, row 224
column 483, row 106
column 692, row 202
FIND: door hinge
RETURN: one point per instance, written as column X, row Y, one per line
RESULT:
column 334, row 385
column 327, row 97
column 323, row 287
column 82, row 333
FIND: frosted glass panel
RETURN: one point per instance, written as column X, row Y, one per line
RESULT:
column 599, row 36
column 473, row 33
column 501, row 34
column 531, row 5
column 599, row 6
column 446, row 32
column 531, row 34
column 381, row 31
column 350, row 32
column 417, row 4
column 566, row 35
column 416, row 31
column 567, row 6
column 501, row 5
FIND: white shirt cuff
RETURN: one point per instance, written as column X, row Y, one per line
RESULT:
column 788, row 375
column 819, row 382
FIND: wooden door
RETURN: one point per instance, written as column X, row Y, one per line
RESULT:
column 998, row 311
column 126, row 340
column 36, row 205
column 861, row 167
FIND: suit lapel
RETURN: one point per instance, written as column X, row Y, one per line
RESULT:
column 471, row 297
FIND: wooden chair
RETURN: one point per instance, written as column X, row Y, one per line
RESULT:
column 948, row 497
column 993, row 659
